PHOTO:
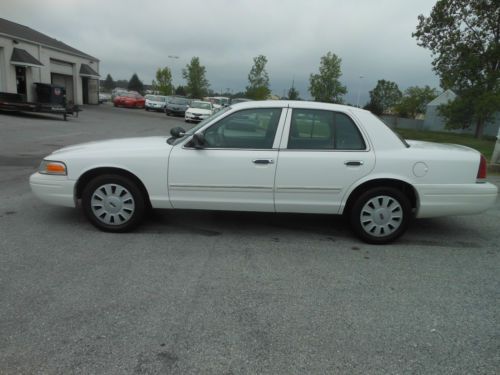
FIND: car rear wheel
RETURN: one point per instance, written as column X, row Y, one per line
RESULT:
column 113, row 203
column 380, row 215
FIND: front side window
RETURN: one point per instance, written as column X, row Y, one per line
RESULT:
column 312, row 129
column 251, row 128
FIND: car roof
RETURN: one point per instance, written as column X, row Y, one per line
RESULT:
column 296, row 104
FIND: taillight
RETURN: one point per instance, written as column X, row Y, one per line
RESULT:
column 481, row 172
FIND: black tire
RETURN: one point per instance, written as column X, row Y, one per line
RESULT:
column 380, row 215
column 128, row 214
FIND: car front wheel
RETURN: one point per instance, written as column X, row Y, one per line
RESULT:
column 380, row 215
column 113, row 203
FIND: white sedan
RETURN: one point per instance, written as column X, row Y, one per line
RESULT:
column 271, row 156
column 198, row 110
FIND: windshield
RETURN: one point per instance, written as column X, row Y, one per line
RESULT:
column 201, row 105
column 156, row 98
column 183, row 101
column 175, row 141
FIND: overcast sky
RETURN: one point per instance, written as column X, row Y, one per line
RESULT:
column 373, row 38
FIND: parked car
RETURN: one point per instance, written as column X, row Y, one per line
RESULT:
column 129, row 100
column 155, row 102
column 117, row 92
column 240, row 100
column 218, row 101
column 272, row 156
column 177, row 106
column 198, row 110
column 104, row 97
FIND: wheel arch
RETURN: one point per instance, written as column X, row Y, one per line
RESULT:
column 86, row 177
column 403, row 186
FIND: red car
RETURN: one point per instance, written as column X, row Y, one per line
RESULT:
column 129, row 100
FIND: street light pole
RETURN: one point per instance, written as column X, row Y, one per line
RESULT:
column 173, row 57
column 359, row 90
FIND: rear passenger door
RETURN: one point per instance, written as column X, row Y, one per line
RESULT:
column 322, row 153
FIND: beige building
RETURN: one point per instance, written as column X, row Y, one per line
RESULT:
column 28, row 56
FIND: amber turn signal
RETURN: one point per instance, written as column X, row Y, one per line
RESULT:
column 52, row 167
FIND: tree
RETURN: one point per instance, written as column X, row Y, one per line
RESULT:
column 109, row 84
column 135, row 84
column 464, row 38
column 180, row 90
column 385, row 95
column 374, row 108
column 415, row 100
column 196, row 81
column 325, row 86
column 293, row 94
column 121, row 83
column 163, row 83
column 258, row 79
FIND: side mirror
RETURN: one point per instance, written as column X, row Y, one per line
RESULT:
column 199, row 140
column 177, row 132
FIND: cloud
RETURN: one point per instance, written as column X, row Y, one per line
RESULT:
column 372, row 38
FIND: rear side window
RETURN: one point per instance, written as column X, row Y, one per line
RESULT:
column 312, row 129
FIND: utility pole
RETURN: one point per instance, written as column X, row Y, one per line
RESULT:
column 495, row 159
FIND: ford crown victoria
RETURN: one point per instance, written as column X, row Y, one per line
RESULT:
column 271, row 156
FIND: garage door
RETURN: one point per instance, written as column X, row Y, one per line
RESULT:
column 62, row 75
column 66, row 82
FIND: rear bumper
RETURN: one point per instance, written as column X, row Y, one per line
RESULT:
column 56, row 190
column 455, row 199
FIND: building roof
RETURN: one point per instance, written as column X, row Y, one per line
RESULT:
column 444, row 98
column 86, row 70
column 26, row 33
column 22, row 57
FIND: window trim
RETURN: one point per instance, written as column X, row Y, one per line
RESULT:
column 286, row 133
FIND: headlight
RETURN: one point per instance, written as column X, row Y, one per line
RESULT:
column 53, row 167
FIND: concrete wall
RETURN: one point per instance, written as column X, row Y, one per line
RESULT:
column 402, row 123
column 43, row 74
column 434, row 122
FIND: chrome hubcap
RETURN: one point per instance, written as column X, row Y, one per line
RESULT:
column 112, row 204
column 381, row 216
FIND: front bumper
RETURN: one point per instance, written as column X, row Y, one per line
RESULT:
column 176, row 111
column 56, row 190
column 155, row 107
column 192, row 117
column 455, row 199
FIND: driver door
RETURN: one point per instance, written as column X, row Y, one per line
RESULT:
column 236, row 167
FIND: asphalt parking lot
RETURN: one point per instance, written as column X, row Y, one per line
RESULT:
column 231, row 293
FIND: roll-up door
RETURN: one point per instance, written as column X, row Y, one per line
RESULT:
column 65, row 81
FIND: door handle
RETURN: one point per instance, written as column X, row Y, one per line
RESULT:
column 263, row 161
column 353, row 163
